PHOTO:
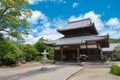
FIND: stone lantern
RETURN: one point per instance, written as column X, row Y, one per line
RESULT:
column 44, row 60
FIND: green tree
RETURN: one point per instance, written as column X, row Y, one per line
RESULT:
column 11, row 17
column 30, row 52
column 114, row 40
column 9, row 52
column 40, row 46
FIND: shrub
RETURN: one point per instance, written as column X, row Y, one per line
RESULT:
column 104, row 58
column 38, row 58
column 30, row 52
column 117, row 53
column 9, row 52
column 115, row 69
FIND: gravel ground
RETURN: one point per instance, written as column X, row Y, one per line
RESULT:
column 34, row 72
column 94, row 73
column 59, row 73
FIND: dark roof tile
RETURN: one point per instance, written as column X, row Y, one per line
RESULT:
column 75, row 40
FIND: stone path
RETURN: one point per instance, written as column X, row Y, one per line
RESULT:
column 94, row 73
column 54, row 72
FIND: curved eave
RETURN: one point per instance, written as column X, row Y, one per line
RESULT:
column 91, row 27
column 94, row 29
column 102, row 40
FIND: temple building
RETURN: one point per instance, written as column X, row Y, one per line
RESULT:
column 81, row 42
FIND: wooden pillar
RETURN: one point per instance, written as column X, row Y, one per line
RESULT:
column 87, row 55
column 78, row 54
column 100, row 51
column 61, row 54
column 86, row 48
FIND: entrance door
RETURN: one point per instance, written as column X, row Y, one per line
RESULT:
column 83, row 55
column 70, row 55
column 92, row 54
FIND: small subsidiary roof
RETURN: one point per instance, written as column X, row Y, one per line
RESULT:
column 80, row 24
column 111, row 47
column 79, row 40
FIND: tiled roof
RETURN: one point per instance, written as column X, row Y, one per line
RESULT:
column 78, row 24
column 75, row 40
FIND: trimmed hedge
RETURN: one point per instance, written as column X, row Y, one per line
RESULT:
column 115, row 69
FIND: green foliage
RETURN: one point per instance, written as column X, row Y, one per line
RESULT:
column 9, row 52
column 51, row 53
column 117, row 52
column 105, row 57
column 38, row 58
column 114, row 40
column 115, row 69
column 30, row 52
column 11, row 12
column 13, row 18
column 40, row 46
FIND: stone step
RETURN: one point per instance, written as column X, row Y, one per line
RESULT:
column 89, row 64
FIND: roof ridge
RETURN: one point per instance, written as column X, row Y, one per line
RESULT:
column 80, row 20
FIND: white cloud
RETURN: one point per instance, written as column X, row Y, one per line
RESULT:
column 50, row 34
column 75, row 4
column 114, row 23
column 37, row 15
column 59, row 23
column 114, row 34
column 32, row 2
column 34, row 31
column 35, row 1
column 47, row 33
column 75, row 18
column 113, row 28
column 46, row 24
column 94, row 17
column 47, row 28
column 30, row 39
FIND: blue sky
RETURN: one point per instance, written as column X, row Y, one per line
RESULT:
column 48, row 15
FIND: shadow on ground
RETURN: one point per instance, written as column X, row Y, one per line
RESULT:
column 31, row 73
